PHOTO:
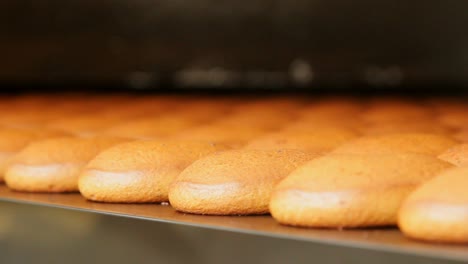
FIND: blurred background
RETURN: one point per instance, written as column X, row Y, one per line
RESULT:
column 259, row 44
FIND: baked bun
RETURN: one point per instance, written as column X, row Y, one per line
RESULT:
column 32, row 114
column 139, row 171
column 153, row 127
column 455, row 119
column 265, row 119
column 457, row 155
column 27, row 118
column 346, row 190
column 236, row 182
column 235, row 136
column 202, row 110
column 327, row 114
column 268, row 105
column 395, row 111
column 431, row 144
column 438, row 210
column 319, row 140
column 12, row 140
column 85, row 125
column 332, row 108
column 462, row 135
column 383, row 128
column 53, row 165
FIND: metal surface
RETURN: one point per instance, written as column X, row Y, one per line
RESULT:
column 49, row 235
column 385, row 241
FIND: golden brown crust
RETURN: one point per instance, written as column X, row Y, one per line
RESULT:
column 268, row 105
column 431, row 144
column 140, row 171
column 427, row 126
column 395, row 110
column 236, row 182
column 53, row 165
column 438, row 210
column 314, row 124
column 332, row 108
column 226, row 134
column 202, row 110
column 454, row 119
column 319, row 140
column 36, row 112
column 84, row 125
column 347, row 190
column 322, row 115
column 154, row 127
column 26, row 118
column 461, row 135
column 13, row 140
column 457, row 155
column 263, row 118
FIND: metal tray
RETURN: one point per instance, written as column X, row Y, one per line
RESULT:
column 386, row 241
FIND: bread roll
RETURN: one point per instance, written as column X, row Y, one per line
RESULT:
column 455, row 119
column 438, row 210
column 396, row 110
column 106, row 114
column 266, row 119
column 462, row 135
column 85, row 125
column 332, row 108
column 136, row 106
column 139, row 171
column 322, row 122
column 236, row 182
column 346, row 190
column 53, row 165
column 322, row 115
column 27, row 118
column 204, row 109
column 153, row 127
column 319, row 140
column 431, row 144
column 12, row 140
column 457, row 155
column 235, row 136
column 269, row 105
column 428, row 126
column 29, row 114
column 442, row 105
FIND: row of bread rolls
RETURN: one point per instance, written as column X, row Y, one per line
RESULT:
column 335, row 162
column 103, row 115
